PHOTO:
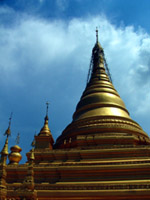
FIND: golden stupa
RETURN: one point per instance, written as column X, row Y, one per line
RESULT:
column 101, row 115
column 101, row 155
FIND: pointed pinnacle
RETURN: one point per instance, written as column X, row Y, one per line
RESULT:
column 17, row 138
column 96, row 35
column 5, row 148
column 8, row 131
column 47, row 106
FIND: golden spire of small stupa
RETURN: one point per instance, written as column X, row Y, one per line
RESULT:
column 3, row 172
column 44, row 139
column 45, row 130
column 8, row 131
column 4, row 151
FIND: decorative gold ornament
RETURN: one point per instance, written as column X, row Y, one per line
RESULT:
column 15, row 156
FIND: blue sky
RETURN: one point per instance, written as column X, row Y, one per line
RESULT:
column 45, row 50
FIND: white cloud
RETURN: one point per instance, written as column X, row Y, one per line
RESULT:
column 48, row 60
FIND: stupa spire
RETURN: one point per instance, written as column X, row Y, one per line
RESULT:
column 97, row 99
column 4, row 152
column 96, row 35
column 3, row 165
column 3, row 172
column 8, row 131
column 98, row 65
column 47, row 107
column 44, row 139
column 45, row 130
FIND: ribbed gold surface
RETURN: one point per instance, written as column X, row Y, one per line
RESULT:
column 101, row 111
column 45, row 129
column 100, row 99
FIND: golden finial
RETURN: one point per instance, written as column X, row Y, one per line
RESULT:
column 45, row 130
column 17, row 139
column 8, row 132
column 96, row 34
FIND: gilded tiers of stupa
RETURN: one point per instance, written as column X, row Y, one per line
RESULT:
column 101, row 155
column 101, row 115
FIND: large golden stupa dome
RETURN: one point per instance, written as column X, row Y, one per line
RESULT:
column 101, row 116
